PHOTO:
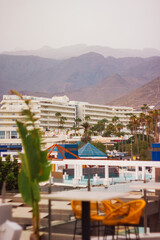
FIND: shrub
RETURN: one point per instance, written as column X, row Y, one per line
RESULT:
column 100, row 146
column 10, row 181
column 85, row 139
column 8, row 158
column 9, row 172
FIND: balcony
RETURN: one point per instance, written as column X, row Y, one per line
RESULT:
column 58, row 109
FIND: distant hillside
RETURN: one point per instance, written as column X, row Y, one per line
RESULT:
column 89, row 77
column 104, row 91
column 77, row 50
column 148, row 94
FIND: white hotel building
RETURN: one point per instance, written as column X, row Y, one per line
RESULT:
column 43, row 108
column 46, row 108
column 98, row 112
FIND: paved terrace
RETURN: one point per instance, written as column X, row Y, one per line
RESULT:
column 62, row 216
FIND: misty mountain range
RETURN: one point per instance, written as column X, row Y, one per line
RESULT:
column 77, row 50
column 90, row 77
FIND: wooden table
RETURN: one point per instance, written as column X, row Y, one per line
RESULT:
column 85, row 197
column 145, row 186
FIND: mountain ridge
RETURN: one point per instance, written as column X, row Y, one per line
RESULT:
column 79, row 49
column 89, row 77
column 148, row 94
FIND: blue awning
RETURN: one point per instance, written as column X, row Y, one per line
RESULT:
column 88, row 150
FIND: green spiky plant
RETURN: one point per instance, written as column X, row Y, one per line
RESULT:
column 35, row 167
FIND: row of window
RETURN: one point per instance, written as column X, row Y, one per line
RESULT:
column 10, row 134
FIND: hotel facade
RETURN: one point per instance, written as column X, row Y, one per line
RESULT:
column 98, row 112
column 45, row 109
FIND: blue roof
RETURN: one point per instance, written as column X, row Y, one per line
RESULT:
column 88, row 150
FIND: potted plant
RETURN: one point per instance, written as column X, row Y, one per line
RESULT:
column 35, row 168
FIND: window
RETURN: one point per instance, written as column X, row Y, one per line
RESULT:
column 2, row 134
column 13, row 134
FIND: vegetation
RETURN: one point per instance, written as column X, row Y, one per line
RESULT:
column 110, row 147
column 77, row 122
column 62, row 122
column 85, row 139
column 74, row 128
column 35, row 167
column 141, row 149
column 144, row 128
column 145, row 131
column 147, row 124
column 100, row 146
column 9, row 173
column 99, row 128
column 58, row 115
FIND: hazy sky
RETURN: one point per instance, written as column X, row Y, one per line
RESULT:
column 31, row 24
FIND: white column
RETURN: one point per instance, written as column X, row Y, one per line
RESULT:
column 153, row 172
column 106, row 175
column 81, row 170
column 137, row 169
column 56, row 168
column 143, row 172
column 75, row 171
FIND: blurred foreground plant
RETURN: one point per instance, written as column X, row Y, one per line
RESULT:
column 35, row 167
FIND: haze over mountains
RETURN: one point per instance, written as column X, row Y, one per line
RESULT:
column 89, row 77
column 77, row 50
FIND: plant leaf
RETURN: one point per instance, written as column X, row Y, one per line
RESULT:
column 36, row 191
column 45, row 172
column 31, row 159
column 24, row 187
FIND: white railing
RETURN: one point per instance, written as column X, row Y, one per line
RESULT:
column 101, row 162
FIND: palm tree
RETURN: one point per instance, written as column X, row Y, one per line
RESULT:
column 92, row 130
column 62, row 121
column 155, row 117
column 110, row 130
column 58, row 115
column 142, row 122
column 99, row 127
column 115, row 119
column 145, row 107
column 86, row 126
column 148, row 119
column 135, row 123
column 130, row 125
column 87, row 117
column 104, row 121
column 75, row 128
column 119, row 127
column 78, row 120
